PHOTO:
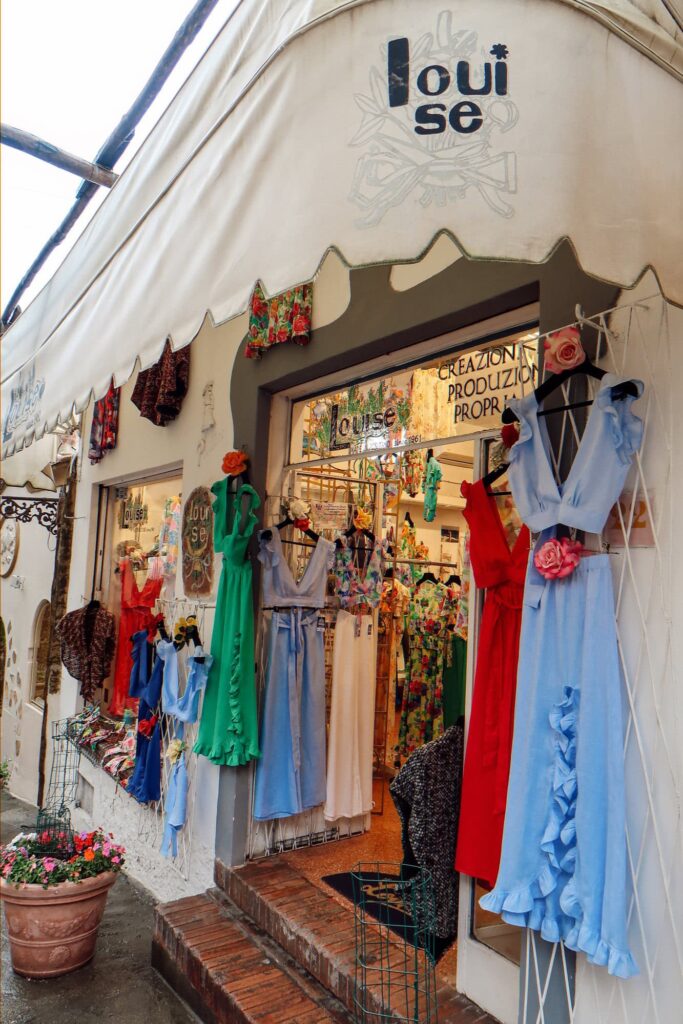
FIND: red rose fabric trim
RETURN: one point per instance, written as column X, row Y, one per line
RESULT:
column 285, row 317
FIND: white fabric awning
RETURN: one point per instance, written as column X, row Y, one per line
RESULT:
column 283, row 144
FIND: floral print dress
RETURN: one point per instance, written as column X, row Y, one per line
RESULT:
column 431, row 612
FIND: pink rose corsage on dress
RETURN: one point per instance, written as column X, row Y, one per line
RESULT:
column 557, row 559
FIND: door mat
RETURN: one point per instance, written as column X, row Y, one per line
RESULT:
column 382, row 901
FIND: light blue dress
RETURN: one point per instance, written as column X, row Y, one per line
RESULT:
column 290, row 775
column 185, row 710
column 563, row 863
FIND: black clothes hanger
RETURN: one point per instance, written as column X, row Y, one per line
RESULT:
column 491, row 477
column 427, row 577
column 353, row 530
column 162, row 631
column 453, row 579
column 287, row 521
column 389, row 573
column 588, row 369
column 192, row 635
column 408, row 519
column 495, row 474
column 430, row 454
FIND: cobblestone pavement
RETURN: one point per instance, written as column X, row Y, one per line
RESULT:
column 119, row 984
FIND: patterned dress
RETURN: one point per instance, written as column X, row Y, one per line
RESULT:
column 393, row 610
column 431, row 611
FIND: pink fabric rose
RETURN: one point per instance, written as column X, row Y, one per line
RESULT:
column 563, row 350
column 558, row 558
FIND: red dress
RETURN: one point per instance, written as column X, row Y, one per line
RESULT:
column 500, row 571
column 136, row 614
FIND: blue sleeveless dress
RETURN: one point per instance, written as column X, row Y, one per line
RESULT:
column 563, row 863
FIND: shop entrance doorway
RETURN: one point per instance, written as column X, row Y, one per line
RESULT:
column 382, row 461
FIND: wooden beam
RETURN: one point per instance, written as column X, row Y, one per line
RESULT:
column 31, row 144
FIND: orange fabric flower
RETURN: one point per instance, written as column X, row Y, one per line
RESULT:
column 89, row 854
column 234, row 463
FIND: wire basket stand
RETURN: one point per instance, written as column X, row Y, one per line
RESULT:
column 395, row 964
column 54, row 817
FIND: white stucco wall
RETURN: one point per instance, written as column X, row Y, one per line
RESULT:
column 142, row 450
column 21, row 718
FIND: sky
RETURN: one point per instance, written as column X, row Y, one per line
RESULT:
column 70, row 70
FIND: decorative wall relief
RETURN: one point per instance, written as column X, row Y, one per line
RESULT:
column 197, row 543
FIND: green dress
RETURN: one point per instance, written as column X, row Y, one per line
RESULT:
column 228, row 731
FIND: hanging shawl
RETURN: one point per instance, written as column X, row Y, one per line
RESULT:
column 160, row 390
column 105, row 425
column 426, row 793
column 87, row 643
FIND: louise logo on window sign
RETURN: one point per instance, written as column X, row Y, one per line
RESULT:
column 438, row 83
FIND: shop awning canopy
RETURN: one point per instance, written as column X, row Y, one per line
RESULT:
column 369, row 127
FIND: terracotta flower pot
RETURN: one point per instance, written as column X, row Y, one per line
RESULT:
column 53, row 931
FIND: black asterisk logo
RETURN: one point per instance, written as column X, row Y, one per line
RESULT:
column 499, row 50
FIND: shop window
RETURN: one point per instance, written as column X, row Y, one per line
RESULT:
column 41, row 650
column 399, row 448
column 141, row 561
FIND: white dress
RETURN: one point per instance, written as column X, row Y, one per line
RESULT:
column 352, row 715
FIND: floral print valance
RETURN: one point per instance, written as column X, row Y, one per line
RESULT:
column 285, row 317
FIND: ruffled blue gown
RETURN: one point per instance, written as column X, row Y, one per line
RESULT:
column 563, row 863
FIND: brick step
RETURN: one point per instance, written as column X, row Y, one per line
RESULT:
column 231, row 973
column 318, row 932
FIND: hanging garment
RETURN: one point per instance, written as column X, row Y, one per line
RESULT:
column 499, row 570
column 160, row 390
column 285, row 317
column 290, row 775
column 412, row 471
column 462, row 617
column 87, row 640
column 426, row 793
column 175, row 807
column 430, row 486
column 184, row 709
column 228, row 731
column 431, row 611
column 393, row 611
column 352, row 713
column 169, row 536
column 141, row 655
column 563, row 863
column 105, row 425
column 145, row 782
column 349, row 762
column 454, row 673
column 136, row 614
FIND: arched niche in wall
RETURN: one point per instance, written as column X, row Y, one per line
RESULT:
column 40, row 651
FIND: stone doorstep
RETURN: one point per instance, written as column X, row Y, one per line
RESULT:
column 318, row 933
column 229, row 972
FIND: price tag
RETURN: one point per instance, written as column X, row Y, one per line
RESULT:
column 636, row 521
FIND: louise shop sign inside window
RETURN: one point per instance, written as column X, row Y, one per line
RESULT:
column 449, row 89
